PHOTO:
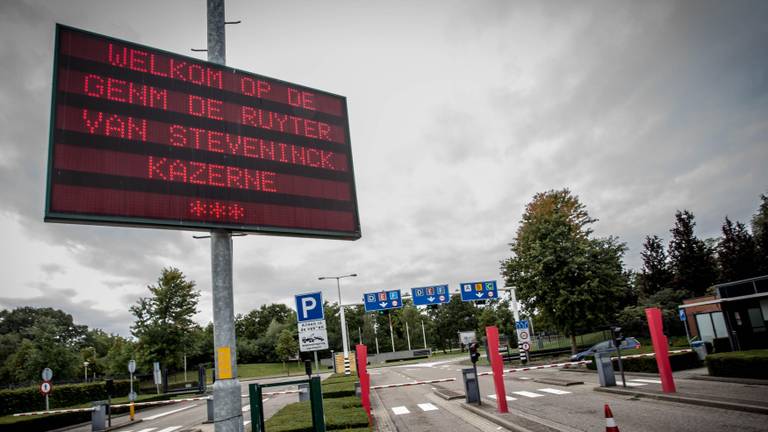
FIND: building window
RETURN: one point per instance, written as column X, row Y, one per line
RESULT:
column 711, row 325
column 756, row 320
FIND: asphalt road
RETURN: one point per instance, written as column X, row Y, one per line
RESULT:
column 183, row 415
column 576, row 407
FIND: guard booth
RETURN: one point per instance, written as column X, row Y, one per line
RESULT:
column 255, row 392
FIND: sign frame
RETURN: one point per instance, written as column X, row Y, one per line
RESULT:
column 190, row 225
column 418, row 299
column 318, row 305
column 391, row 303
column 321, row 329
column 487, row 294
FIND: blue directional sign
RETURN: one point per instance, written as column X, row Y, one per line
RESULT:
column 521, row 325
column 425, row 296
column 382, row 300
column 682, row 314
column 474, row 291
column 309, row 306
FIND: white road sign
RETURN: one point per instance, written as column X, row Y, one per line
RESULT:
column 312, row 336
column 45, row 388
column 467, row 337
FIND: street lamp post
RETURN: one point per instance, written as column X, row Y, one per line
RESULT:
column 344, row 342
column 85, row 364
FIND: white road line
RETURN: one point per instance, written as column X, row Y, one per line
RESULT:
column 157, row 416
column 374, row 373
column 427, row 407
column 245, row 423
column 650, row 381
column 400, row 410
column 246, row 408
column 554, row 391
column 634, row 384
column 510, row 399
column 147, row 430
column 524, row 378
column 170, row 429
column 527, row 394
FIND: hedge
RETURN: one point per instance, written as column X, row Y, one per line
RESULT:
column 66, row 395
column 740, row 364
column 678, row 361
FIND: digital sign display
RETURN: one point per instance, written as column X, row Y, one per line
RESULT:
column 143, row 137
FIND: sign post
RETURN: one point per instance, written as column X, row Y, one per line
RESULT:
column 46, row 387
column 477, row 291
column 431, row 295
column 313, row 335
column 523, row 339
column 132, row 394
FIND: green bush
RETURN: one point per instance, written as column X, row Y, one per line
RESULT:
column 678, row 361
column 29, row 398
column 741, row 364
column 45, row 422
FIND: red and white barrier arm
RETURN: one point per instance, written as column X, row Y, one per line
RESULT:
column 34, row 413
column 383, row 386
column 653, row 354
column 165, row 402
column 548, row 366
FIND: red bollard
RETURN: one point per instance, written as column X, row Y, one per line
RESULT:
column 497, row 366
column 661, row 348
column 361, row 355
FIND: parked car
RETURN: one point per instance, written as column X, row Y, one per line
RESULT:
column 606, row 346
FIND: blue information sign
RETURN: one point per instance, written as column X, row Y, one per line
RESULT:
column 430, row 295
column 382, row 300
column 682, row 314
column 474, row 291
column 309, row 307
column 521, row 325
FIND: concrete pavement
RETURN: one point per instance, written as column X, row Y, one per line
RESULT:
column 577, row 407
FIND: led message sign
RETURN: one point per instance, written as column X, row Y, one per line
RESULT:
column 143, row 137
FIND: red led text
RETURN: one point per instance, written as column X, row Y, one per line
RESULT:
column 201, row 173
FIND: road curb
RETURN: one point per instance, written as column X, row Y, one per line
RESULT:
column 732, row 380
column 382, row 422
column 490, row 417
column 688, row 400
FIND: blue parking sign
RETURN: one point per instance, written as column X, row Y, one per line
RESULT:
column 309, row 307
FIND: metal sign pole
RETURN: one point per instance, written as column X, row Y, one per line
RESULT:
column 391, row 333
column 227, row 412
column 408, row 335
column 423, row 334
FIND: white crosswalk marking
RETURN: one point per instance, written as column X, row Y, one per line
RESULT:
column 554, row 391
column 147, row 430
column 246, row 408
column 245, row 423
column 170, row 429
column 400, row 410
column 427, row 407
column 527, row 394
column 508, row 398
column 635, row 384
column 650, row 381
column 157, row 416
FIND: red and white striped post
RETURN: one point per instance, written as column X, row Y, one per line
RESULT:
column 497, row 366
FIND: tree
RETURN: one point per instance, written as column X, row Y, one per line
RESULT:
column 286, row 346
column 452, row 318
column 164, row 324
column 736, row 253
column 760, row 233
column 655, row 275
column 557, row 269
column 692, row 262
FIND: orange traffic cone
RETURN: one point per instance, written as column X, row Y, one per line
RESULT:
column 610, row 423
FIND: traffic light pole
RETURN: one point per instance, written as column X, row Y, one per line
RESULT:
column 227, row 411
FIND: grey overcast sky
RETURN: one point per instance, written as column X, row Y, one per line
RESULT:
column 459, row 113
